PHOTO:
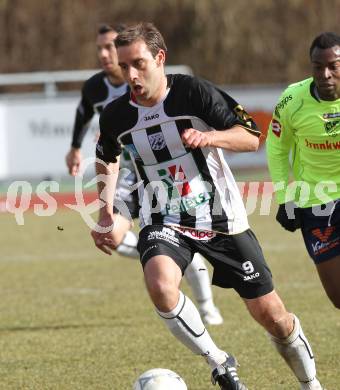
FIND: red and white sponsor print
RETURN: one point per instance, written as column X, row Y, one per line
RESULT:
column 196, row 234
column 276, row 128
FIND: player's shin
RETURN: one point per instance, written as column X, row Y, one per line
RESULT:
column 297, row 352
column 198, row 278
column 185, row 324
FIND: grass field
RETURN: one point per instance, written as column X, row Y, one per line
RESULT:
column 73, row 318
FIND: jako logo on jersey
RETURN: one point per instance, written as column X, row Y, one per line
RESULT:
column 150, row 117
column 252, row 276
column 157, row 141
column 323, row 236
column 276, row 128
column 175, row 178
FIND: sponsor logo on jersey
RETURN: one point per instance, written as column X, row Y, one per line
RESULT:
column 180, row 195
column 179, row 205
column 197, row 234
column 282, row 104
column 322, row 247
column 323, row 236
column 276, row 128
column 151, row 117
column 324, row 244
column 166, row 234
column 331, row 115
column 332, row 128
column 175, row 178
column 323, row 145
column 157, row 141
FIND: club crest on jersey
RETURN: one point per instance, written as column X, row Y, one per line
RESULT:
column 276, row 128
column 332, row 128
column 157, row 141
column 243, row 115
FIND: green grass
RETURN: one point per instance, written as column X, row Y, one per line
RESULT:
column 73, row 318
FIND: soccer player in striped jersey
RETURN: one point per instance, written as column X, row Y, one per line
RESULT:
column 178, row 130
column 97, row 92
column 306, row 122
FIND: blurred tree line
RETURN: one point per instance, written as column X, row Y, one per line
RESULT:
column 228, row 42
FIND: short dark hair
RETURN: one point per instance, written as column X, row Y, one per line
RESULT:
column 105, row 28
column 325, row 40
column 143, row 31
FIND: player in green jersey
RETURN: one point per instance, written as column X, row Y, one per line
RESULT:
column 305, row 134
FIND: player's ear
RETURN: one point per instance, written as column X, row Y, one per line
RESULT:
column 160, row 57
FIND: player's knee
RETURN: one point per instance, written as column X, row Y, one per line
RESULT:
column 159, row 288
column 275, row 319
column 162, row 293
column 279, row 325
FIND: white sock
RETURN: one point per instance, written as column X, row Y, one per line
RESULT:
column 198, row 278
column 297, row 352
column 185, row 323
column 128, row 247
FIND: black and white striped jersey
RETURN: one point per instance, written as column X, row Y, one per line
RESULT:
column 179, row 186
column 96, row 93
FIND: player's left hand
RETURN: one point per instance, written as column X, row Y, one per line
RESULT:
column 102, row 235
column 73, row 161
column 197, row 139
column 288, row 216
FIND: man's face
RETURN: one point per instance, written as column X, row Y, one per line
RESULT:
column 326, row 72
column 107, row 53
column 141, row 70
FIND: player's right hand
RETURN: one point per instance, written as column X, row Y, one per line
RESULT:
column 288, row 216
column 193, row 138
column 73, row 161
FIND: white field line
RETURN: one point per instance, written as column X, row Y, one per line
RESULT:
column 66, row 256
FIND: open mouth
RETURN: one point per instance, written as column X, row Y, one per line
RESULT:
column 137, row 89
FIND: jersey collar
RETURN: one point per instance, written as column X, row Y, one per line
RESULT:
column 314, row 92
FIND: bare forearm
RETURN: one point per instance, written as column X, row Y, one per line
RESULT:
column 236, row 139
column 106, row 185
